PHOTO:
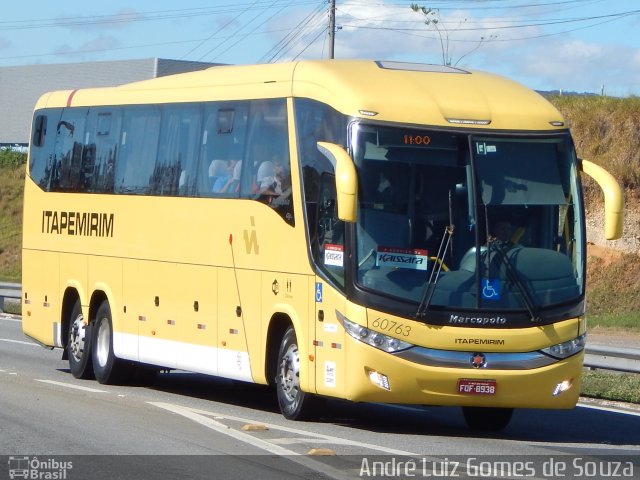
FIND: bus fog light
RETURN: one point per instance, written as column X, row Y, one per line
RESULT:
column 562, row 387
column 379, row 379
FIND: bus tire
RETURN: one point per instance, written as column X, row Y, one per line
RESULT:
column 294, row 403
column 79, row 344
column 107, row 368
column 487, row 419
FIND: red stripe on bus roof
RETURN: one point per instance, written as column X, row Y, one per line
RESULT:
column 71, row 97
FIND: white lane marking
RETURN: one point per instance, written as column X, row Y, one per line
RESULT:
column 295, row 431
column 204, row 418
column 209, row 422
column 70, row 385
column 609, row 409
column 21, row 342
column 295, row 441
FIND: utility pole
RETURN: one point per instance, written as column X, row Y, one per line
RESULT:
column 332, row 28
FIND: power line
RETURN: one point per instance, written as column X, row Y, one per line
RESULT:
column 311, row 42
column 537, row 24
column 285, row 44
column 244, row 37
column 300, row 37
column 464, row 5
column 214, row 33
column 293, row 34
column 385, row 17
column 510, row 39
column 303, row 35
column 131, row 16
column 131, row 47
column 239, row 8
column 235, row 34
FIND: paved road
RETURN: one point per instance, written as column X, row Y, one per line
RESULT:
column 188, row 426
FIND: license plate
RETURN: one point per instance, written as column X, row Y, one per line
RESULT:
column 477, row 387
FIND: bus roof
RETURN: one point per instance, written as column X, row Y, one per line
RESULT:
column 407, row 93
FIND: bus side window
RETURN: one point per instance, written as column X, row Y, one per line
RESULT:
column 42, row 146
column 66, row 163
column 222, row 149
column 138, row 150
column 268, row 167
column 176, row 168
column 101, row 149
column 39, row 130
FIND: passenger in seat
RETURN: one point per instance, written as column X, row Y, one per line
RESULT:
column 230, row 182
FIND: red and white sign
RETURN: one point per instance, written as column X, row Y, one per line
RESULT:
column 334, row 255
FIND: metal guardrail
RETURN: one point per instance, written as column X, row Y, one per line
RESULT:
column 596, row 356
column 620, row 359
column 9, row 290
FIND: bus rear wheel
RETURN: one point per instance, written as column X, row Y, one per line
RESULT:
column 79, row 344
column 487, row 419
column 107, row 368
column 294, row 403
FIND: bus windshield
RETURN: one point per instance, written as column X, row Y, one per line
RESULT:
column 466, row 221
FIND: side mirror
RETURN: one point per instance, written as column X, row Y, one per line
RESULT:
column 346, row 180
column 613, row 198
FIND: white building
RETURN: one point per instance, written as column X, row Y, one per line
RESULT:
column 21, row 86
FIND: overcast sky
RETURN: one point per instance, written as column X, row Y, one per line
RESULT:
column 573, row 45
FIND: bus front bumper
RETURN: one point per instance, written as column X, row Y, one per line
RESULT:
column 378, row 376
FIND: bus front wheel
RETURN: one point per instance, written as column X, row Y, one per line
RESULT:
column 294, row 403
column 79, row 344
column 487, row 419
column 107, row 368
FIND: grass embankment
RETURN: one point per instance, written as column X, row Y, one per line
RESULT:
column 613, row 298
column 605, row 131
column 11, row 183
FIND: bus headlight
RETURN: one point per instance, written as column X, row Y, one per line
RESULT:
column 373, row 338
column 566, row 349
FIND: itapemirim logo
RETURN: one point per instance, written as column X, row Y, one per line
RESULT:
column 33, row 468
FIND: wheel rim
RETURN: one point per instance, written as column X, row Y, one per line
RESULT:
column 290, row 373
column 77, row 335
column 103, row 342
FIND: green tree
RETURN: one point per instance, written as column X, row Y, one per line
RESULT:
column 12, row 158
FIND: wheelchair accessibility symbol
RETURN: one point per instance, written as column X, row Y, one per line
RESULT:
column 491, row 289
column 318, row 292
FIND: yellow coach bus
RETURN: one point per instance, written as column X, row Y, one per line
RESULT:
column 371, row 231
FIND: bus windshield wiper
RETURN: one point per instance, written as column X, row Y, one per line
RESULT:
column 496, row 247
column 445, row 244
column 430, row 287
